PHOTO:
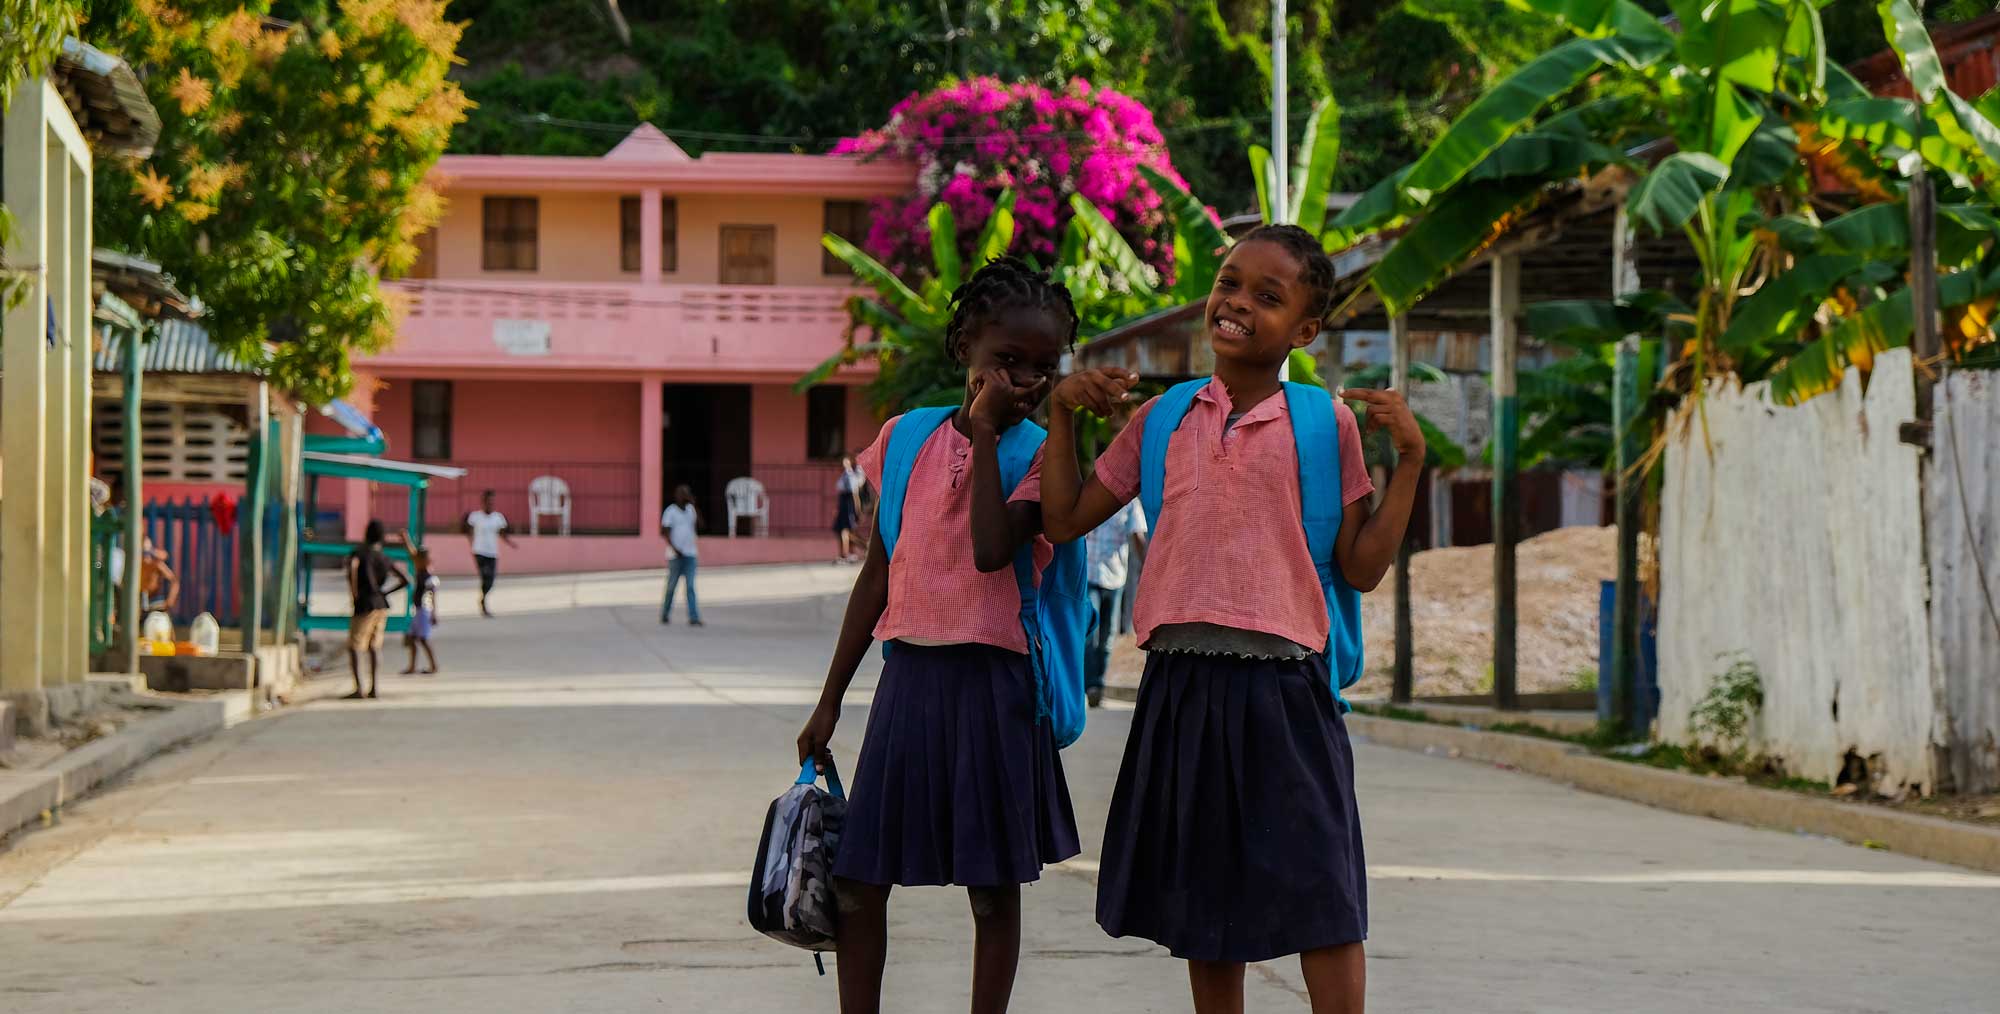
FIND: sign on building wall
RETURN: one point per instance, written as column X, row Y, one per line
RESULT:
column 522, row 337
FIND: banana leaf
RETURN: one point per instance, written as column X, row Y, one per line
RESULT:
column 1879, row 231
column 1303, row 369
column 944, row 246
column 1319, row 155
column 1434, row 247
column 1779, row 309
column 1669, row 195
column 1892, row 123
column 1109, row 244
column 1588, row 323
column 1195, row 231
column 870, row 271
column 1882, row 325
column 1378, row 207
column 1599, row 18
column 1260, row 173
column 1805, row 35
column 1737, row 41
column 1379, row 375
column 1503, row 111
column 1959, row 121
column 1771, row 153
column 998, row 233
column 1794, row 233
column 1550, row 156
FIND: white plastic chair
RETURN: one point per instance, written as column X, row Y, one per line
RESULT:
column 547, row 495
column 746, row 499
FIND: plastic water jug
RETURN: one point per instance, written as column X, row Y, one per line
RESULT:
column 206, row 635
column 158, row 628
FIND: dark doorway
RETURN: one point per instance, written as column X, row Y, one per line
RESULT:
column 705, row 443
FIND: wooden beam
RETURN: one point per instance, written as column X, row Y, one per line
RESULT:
column 1623, row 679
column 1403, row 684
column 1506, row 282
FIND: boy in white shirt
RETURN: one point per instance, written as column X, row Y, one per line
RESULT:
column 678, row 522
column 488, row 528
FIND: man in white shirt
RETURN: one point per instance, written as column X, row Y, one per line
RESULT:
column 678, row 522
column 488, row 528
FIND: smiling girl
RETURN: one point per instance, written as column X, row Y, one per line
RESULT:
column 1233, row 834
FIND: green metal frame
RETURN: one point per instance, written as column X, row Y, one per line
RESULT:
column 311, row 546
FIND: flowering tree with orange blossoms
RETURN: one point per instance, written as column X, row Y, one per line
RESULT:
column 290, row 167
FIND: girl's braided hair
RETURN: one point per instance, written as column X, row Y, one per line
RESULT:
column 1004, row 283
column 1315, row 267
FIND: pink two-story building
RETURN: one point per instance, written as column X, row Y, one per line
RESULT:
column 626, row 324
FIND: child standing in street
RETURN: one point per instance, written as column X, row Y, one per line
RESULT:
column 423, row 618
column 1233, row 834
column 959, row 780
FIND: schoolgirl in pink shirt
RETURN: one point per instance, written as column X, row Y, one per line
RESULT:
column 959, row 780
column 1233, row 834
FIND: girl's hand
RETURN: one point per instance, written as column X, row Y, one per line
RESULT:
column 993, row 399
column 815, row 737
column 1387, row 411
column 1100, row 390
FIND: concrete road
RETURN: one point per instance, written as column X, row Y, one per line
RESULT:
column 564, row 821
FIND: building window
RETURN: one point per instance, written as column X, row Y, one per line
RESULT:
column 849, row 221
column 426, row 264
column 628, row 229
column 430, row 419
column 826, row 422
column 749, row 255
column 512, row 229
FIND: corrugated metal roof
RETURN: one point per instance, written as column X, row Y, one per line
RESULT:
column 180, row 347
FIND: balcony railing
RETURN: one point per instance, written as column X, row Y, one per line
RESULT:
column 485, row 322
column 604, row 497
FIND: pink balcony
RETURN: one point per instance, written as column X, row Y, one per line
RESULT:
column 710, row 330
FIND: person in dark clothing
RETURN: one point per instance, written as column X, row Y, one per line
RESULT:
column 369, row 571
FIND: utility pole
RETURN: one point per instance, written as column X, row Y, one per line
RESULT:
column 1281, row 203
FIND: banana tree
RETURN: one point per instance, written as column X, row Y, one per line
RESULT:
column 904, row 326
column 1752, row 117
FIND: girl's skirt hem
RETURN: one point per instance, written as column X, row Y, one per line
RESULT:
column 1233, row 833
column 958, row 781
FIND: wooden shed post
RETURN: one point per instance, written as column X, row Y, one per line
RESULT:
column 1624, row 674
column 1506, row 309
column 1403, row 683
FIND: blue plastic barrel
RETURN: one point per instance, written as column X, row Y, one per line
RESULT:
column 1646, row 694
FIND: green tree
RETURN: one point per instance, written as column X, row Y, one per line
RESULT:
column 803, row 73
column 294, row 145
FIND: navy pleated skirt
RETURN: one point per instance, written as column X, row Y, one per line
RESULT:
column 1233, row 833
column 958, row 781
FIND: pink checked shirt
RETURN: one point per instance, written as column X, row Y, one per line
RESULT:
column 936, row 594
column 1230, row 548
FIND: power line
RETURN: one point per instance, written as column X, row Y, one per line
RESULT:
column 794, row 140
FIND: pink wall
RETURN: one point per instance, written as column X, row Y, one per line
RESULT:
column 524, row 420
column 778, row 424
column 579, row 236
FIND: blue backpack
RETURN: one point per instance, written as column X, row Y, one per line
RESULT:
column 1316, row 434
column 1057, row 616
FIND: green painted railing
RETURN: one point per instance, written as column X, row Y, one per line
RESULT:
column 104, row 530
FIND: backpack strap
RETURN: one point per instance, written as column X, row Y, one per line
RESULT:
column 1316, row 437
column 1161, row 421
column 908, row 433
column 1056, row 612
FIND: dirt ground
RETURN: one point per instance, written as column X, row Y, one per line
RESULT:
column 1451, row 611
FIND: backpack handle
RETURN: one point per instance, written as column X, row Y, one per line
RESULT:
column 809, row 773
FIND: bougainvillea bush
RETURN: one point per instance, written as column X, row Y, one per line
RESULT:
column 975, row 139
